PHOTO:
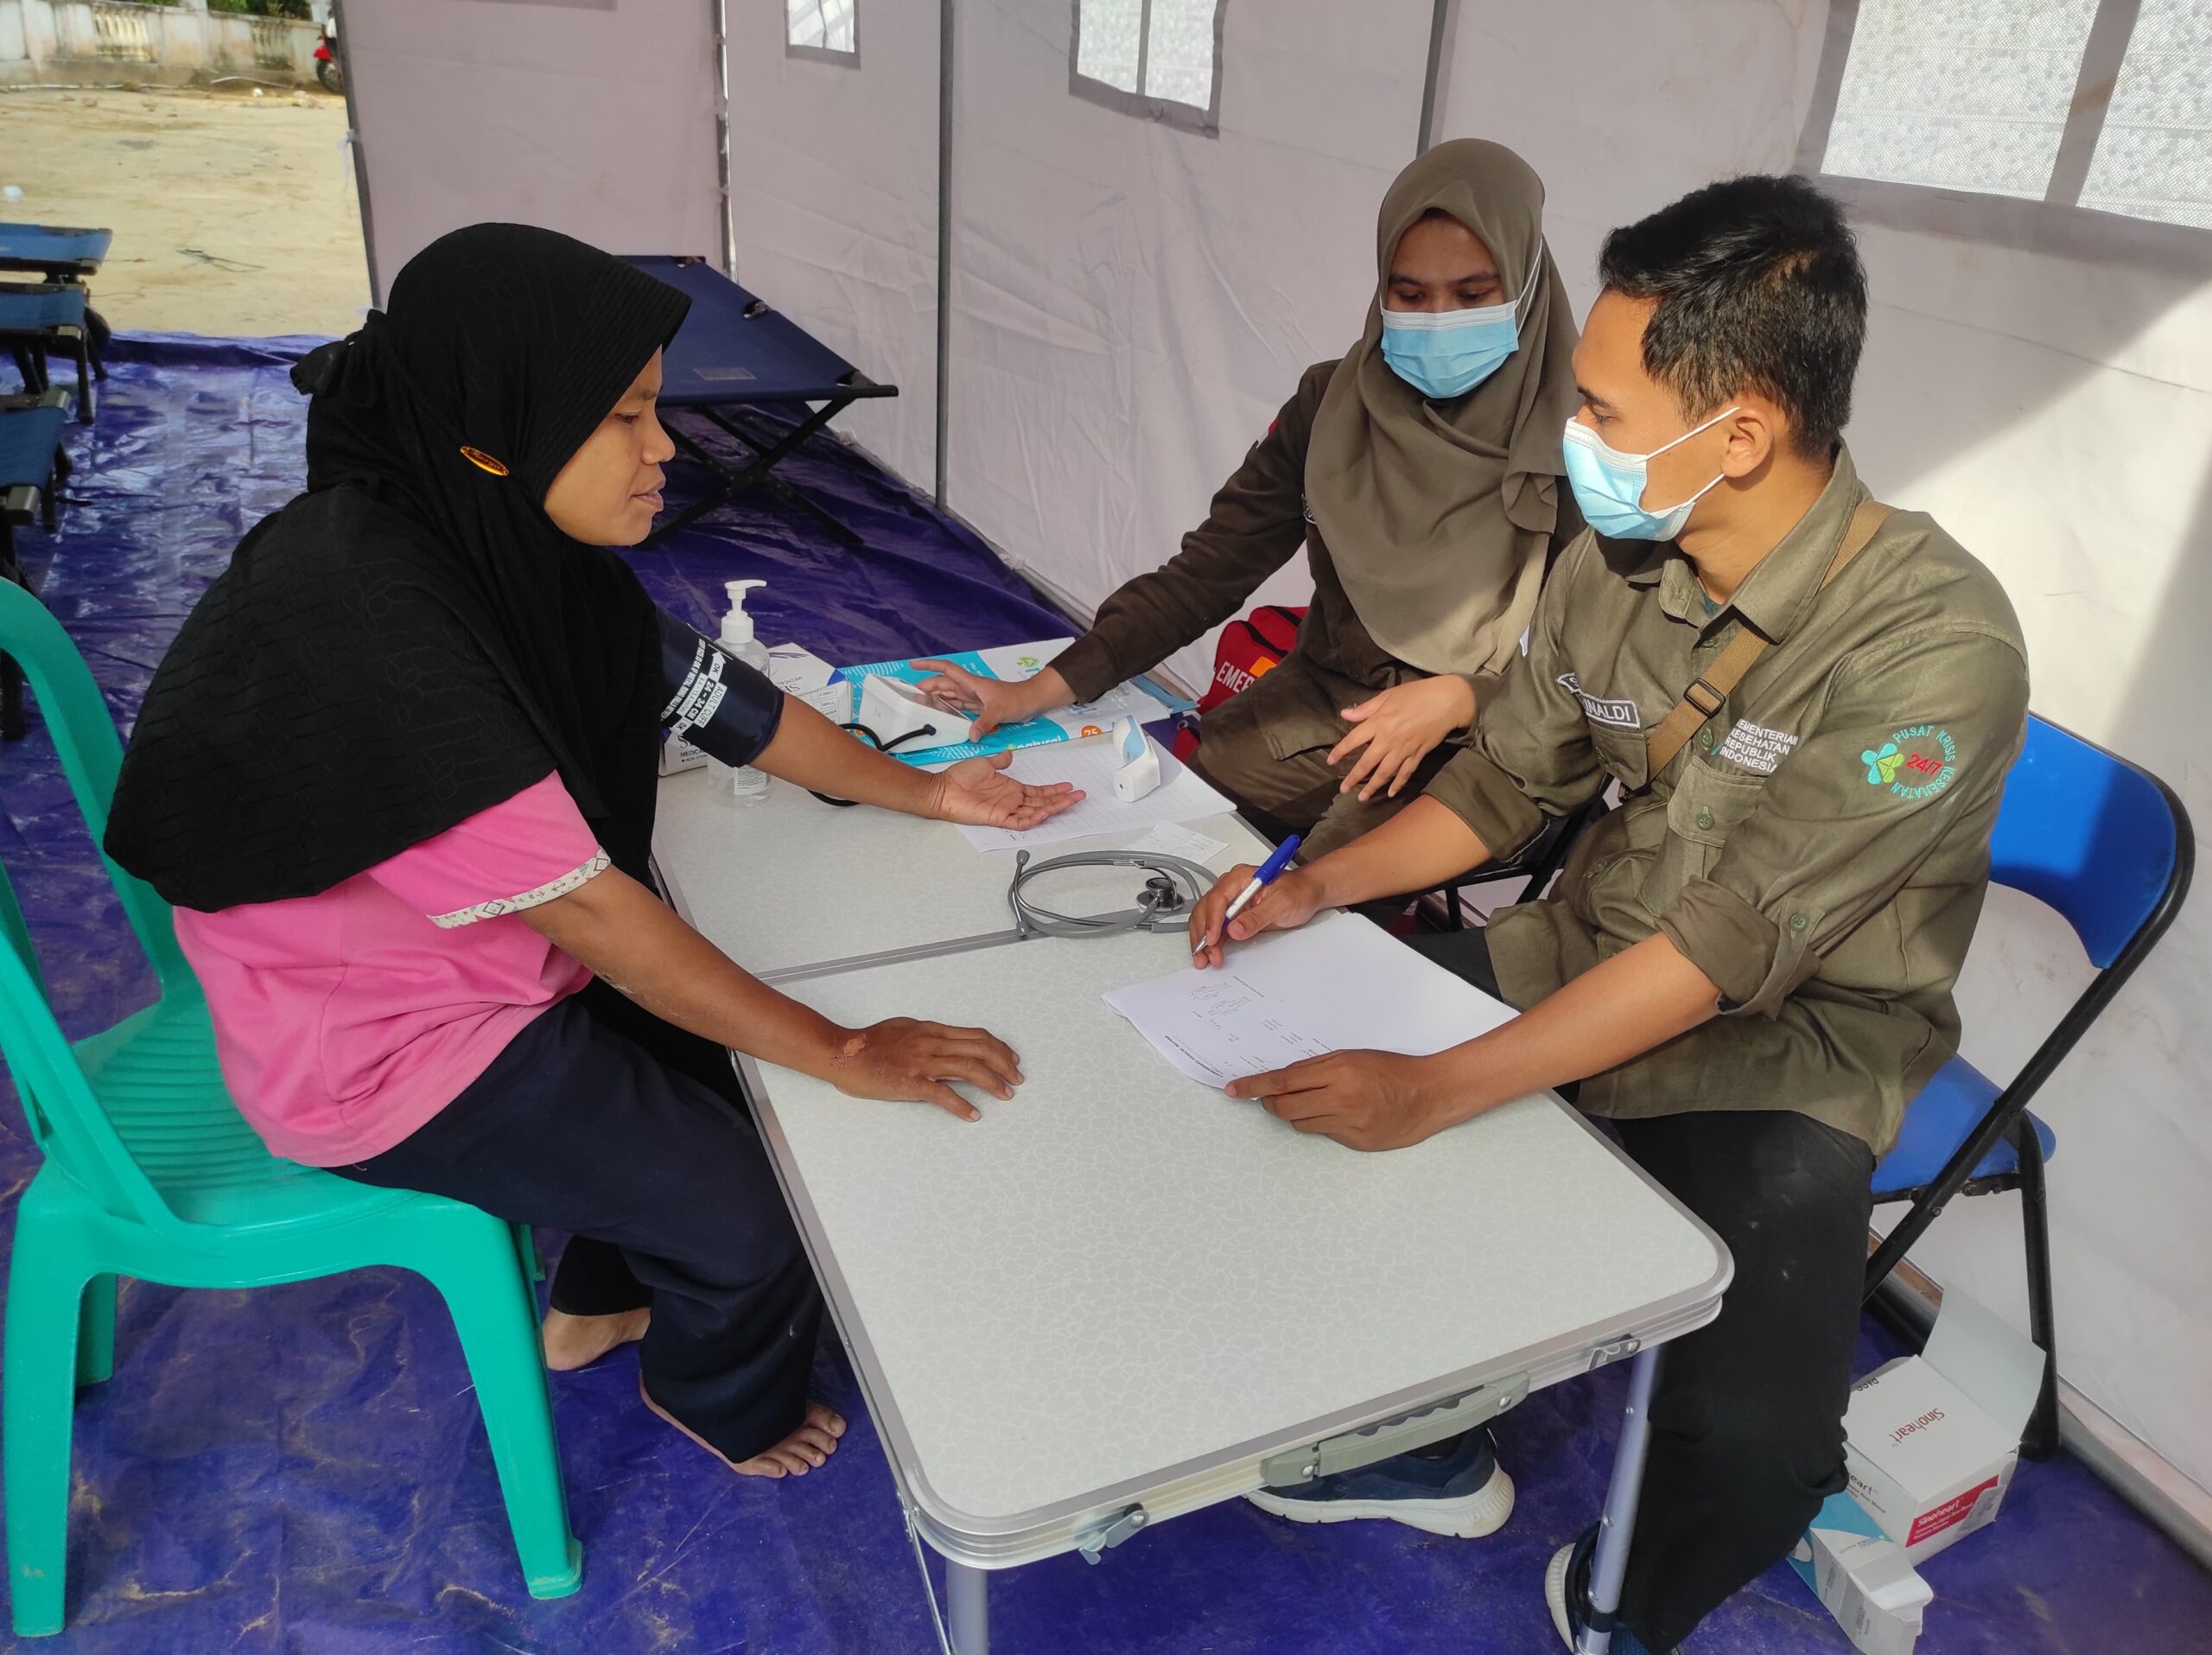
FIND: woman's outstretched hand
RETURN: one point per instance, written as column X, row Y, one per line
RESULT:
column 1394, row 731
column 903, row 1060
column 978, row 792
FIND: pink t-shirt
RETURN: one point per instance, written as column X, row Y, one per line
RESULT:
column 346, row 1019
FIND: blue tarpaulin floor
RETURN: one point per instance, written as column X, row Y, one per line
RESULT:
column 301, row 1469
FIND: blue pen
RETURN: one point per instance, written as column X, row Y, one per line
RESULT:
column 1268, row 871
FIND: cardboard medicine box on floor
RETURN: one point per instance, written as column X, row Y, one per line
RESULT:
column 1863, row 1578
column 1933, row 1439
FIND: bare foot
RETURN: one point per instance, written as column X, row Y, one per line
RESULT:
column 573, row 1342
column 804, row 1449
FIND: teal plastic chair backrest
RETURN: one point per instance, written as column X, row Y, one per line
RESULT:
column 67, row 1121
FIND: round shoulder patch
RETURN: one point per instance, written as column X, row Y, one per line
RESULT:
column 1917, row 761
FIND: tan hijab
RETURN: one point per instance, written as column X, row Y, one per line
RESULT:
column 1437, row 514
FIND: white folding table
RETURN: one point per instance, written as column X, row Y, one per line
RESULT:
column 1166, row 1299
column 790, row 886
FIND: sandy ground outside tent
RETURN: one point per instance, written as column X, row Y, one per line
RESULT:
column 232, row 214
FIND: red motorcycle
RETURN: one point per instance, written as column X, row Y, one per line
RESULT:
column 326, row 69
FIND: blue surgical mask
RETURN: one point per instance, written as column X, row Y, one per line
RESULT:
column 1444, row 354
column 1609, row 484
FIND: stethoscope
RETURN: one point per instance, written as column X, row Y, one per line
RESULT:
column 1174, row 887
column 1164, row 904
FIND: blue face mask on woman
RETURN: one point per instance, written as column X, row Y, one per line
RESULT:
column 1445, row 354
column 1448, row 354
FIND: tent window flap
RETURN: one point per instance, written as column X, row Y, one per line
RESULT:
column 1157, row 59
column 827, row 29
column 2032, row 123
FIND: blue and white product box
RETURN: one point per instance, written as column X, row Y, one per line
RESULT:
column 1864, row 1579
column 1012, row 662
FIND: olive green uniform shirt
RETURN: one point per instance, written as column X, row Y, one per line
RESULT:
column 1820, row 850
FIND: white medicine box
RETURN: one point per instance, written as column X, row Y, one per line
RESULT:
column 677, row 754
column 1933, row 1439
column 1863, row 1578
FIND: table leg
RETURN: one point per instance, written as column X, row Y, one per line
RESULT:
column 1609, row 1563
column 968, row 1606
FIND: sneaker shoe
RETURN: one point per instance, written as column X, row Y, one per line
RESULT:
column 1464, row 1495
column 1566, row 1588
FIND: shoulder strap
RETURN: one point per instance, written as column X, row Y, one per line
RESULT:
column 1703, row 698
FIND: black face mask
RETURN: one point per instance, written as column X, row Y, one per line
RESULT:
column 412, row 641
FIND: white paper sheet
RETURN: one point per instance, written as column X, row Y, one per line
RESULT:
column 1180, row 797
column 1171, row 840
column 1336, row 984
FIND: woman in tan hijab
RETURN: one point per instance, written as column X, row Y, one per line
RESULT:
column 1422, row 472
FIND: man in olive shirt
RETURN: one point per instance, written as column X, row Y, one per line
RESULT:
column 1748, row 967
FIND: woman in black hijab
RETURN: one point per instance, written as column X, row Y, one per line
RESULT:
column 397, row 775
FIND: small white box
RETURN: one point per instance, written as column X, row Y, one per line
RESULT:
column 1863, row 1578
column 678, row 754
column 1933, row 1439
column 1139, row 772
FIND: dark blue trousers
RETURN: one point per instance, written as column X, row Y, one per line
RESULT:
column 600, row 1120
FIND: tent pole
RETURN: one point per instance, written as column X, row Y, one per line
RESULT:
column 352, row 139
column 721, row 135
column 944, row 233
column 1439, row 32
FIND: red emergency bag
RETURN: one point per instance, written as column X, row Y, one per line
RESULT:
column 1249, row 648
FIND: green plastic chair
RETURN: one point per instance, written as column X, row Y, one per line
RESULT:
column 151, row 1172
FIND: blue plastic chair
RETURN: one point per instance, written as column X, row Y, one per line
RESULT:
column 2110, row 847
column 150, row 1172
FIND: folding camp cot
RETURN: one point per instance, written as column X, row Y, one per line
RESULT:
column 35, row 318
column 55, row 253
column 735, row 351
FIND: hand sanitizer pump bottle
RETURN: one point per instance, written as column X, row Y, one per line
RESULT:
column 748, row 783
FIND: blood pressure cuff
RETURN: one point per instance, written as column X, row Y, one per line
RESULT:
column 718, row 703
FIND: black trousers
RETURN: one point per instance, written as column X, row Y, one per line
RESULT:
column 1747, row 1418
column 600, row 1120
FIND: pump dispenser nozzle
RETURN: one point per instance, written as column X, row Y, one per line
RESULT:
column 737, row 625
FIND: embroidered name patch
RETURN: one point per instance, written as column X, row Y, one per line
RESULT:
column 1917, row 762
column 1756, row 748
column 1620, row 715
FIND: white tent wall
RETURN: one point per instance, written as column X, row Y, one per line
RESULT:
column 594, row 120
column 833, row 194
column 1132, row 303
column 2056, row 416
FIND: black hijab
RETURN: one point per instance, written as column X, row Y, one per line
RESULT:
column 412, row 641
